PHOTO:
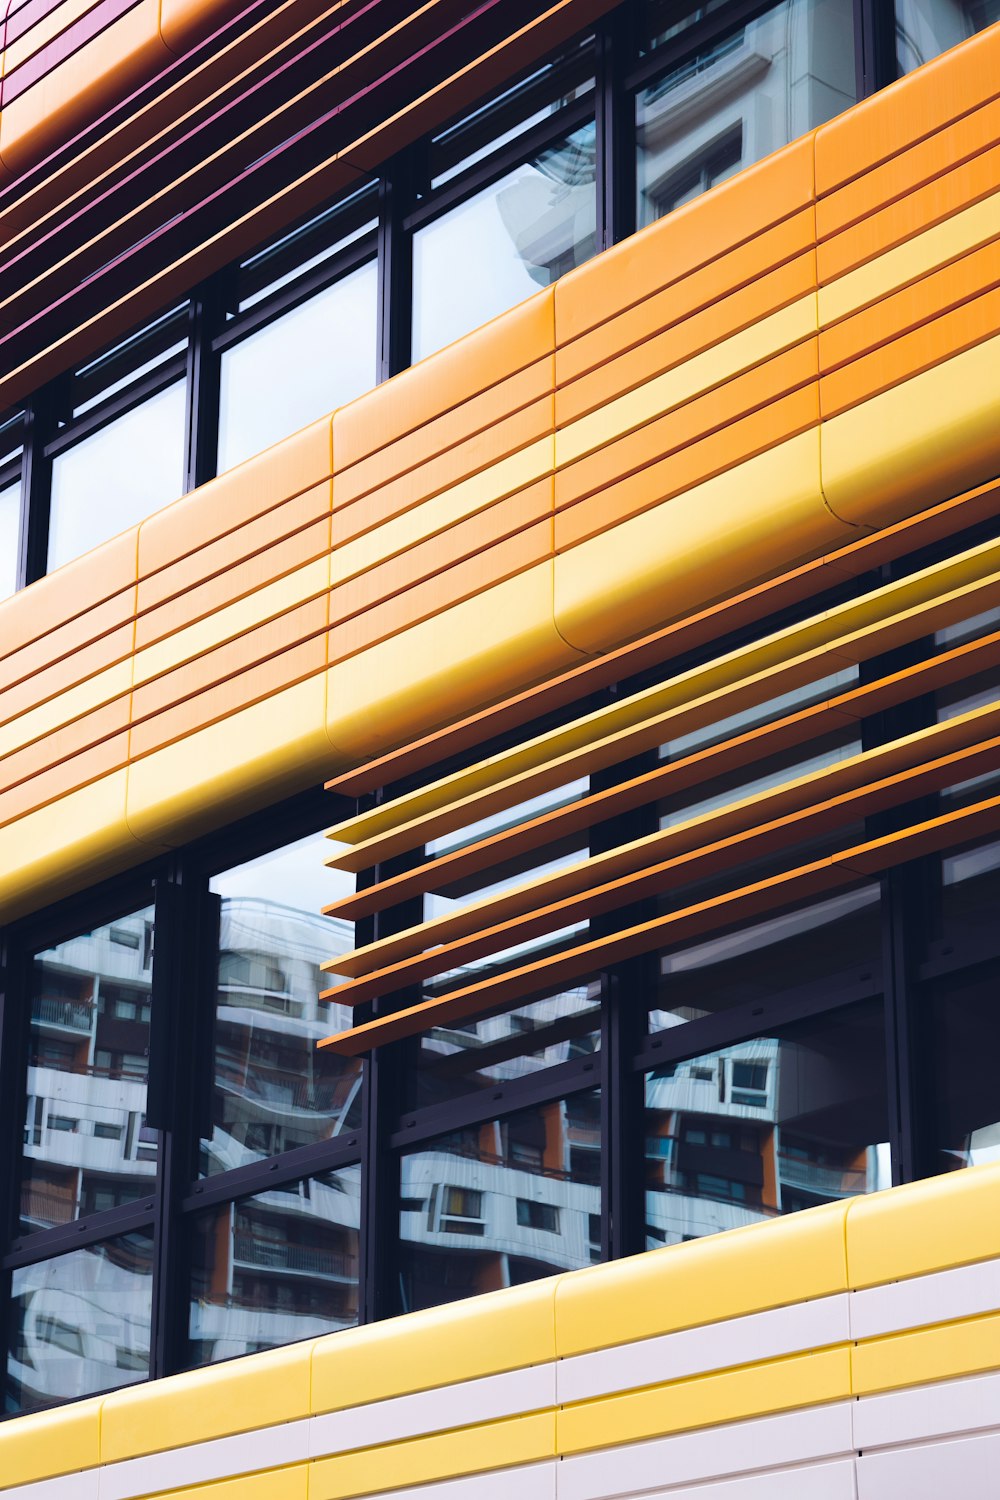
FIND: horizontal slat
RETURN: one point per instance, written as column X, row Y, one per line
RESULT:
column 673, row 776
column 696, row 849
column 850, row 632
column 924, row 761
column 790, row 887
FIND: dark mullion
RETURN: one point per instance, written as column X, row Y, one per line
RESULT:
column 273, row 1172
column 743, row 1022
column 874, row 45
column 395, row 268
column 541, row 137
column 13, row 1010
column 80, row 1234
column 36, row 486
column 118, row 405
column 289, row 297
column 615, row 130
column 206, row 312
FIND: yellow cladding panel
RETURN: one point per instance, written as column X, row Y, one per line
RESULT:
column 471, row 1450
column 275, row 747
column 924, row 1227
column 446, row 509
column 48, row 1443
column 71, row 704
column 446, row 666
column 505, row 1330
column 237, row 1396
column 236, row 619
column 722, row 536
column 752, row 1391
column 928, row 438
column 942, row 1353
column 907, row 262
column 65, row 845
column 781, row 330
column 273, row 1484
column 744, row 1271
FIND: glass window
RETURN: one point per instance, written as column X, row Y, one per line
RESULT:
column 273, row 1090
column 962, row 1021
column 924, row 28
column 276, row 1267
column 466, row 1056
column 80, row 1323
column 10, row 531
column 86, row 1146
column 767, row 1126
column 503, row 243
column 738, row 99
column 836, row 941
column 305, row 363
column 501, row 1203
column 117, row 476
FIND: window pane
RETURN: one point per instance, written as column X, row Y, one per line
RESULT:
column 464, row 1057
column 86, row 1144
column 280, row 1266
column 767, row 1126
column 306, row 363
column 502, row 1203
column 505, row 242
column 117, row 476
column 740, row 99
column 924, row 28
column 10, row 529
column 963, row 1027
column 80, row 1323
column 836, row 941
column 273, row 1091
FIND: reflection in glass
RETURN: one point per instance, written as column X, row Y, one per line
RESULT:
column 970, row 888
column 502, row 1203
column 837, row 940
column 10, row 529
column 740, row 99
column 505, row 242
column 280, row 1266
column 117, row 476
column 963, row 1018
column 470, row 1055
column 80, row 1323
column 925, row 28
column 86, row 1143
column 273, row 1091
column 299, row 367
column 767, row 1126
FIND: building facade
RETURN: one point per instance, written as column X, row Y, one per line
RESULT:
column 499, row 749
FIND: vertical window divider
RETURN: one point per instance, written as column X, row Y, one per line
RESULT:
column 36, row 486
column 13, row 1029
column 615, row 147
column 395, row 268
column 206, row 317
column 874, row 45
column 184, row 924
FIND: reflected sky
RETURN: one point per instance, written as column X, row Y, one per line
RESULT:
column 10, row 509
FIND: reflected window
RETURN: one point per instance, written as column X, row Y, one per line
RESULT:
column 80, row 1323
column 298, row 367
column 962, row 1017
column 503, row 243
column 276, row 1267
column 467, row 1056
column 501, row 1203
column 834, row 942
column 273, row 1091
column 117, row 476
column 925, row 28
column 767, row 1126
column 86, row 1144
column 736, row 100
